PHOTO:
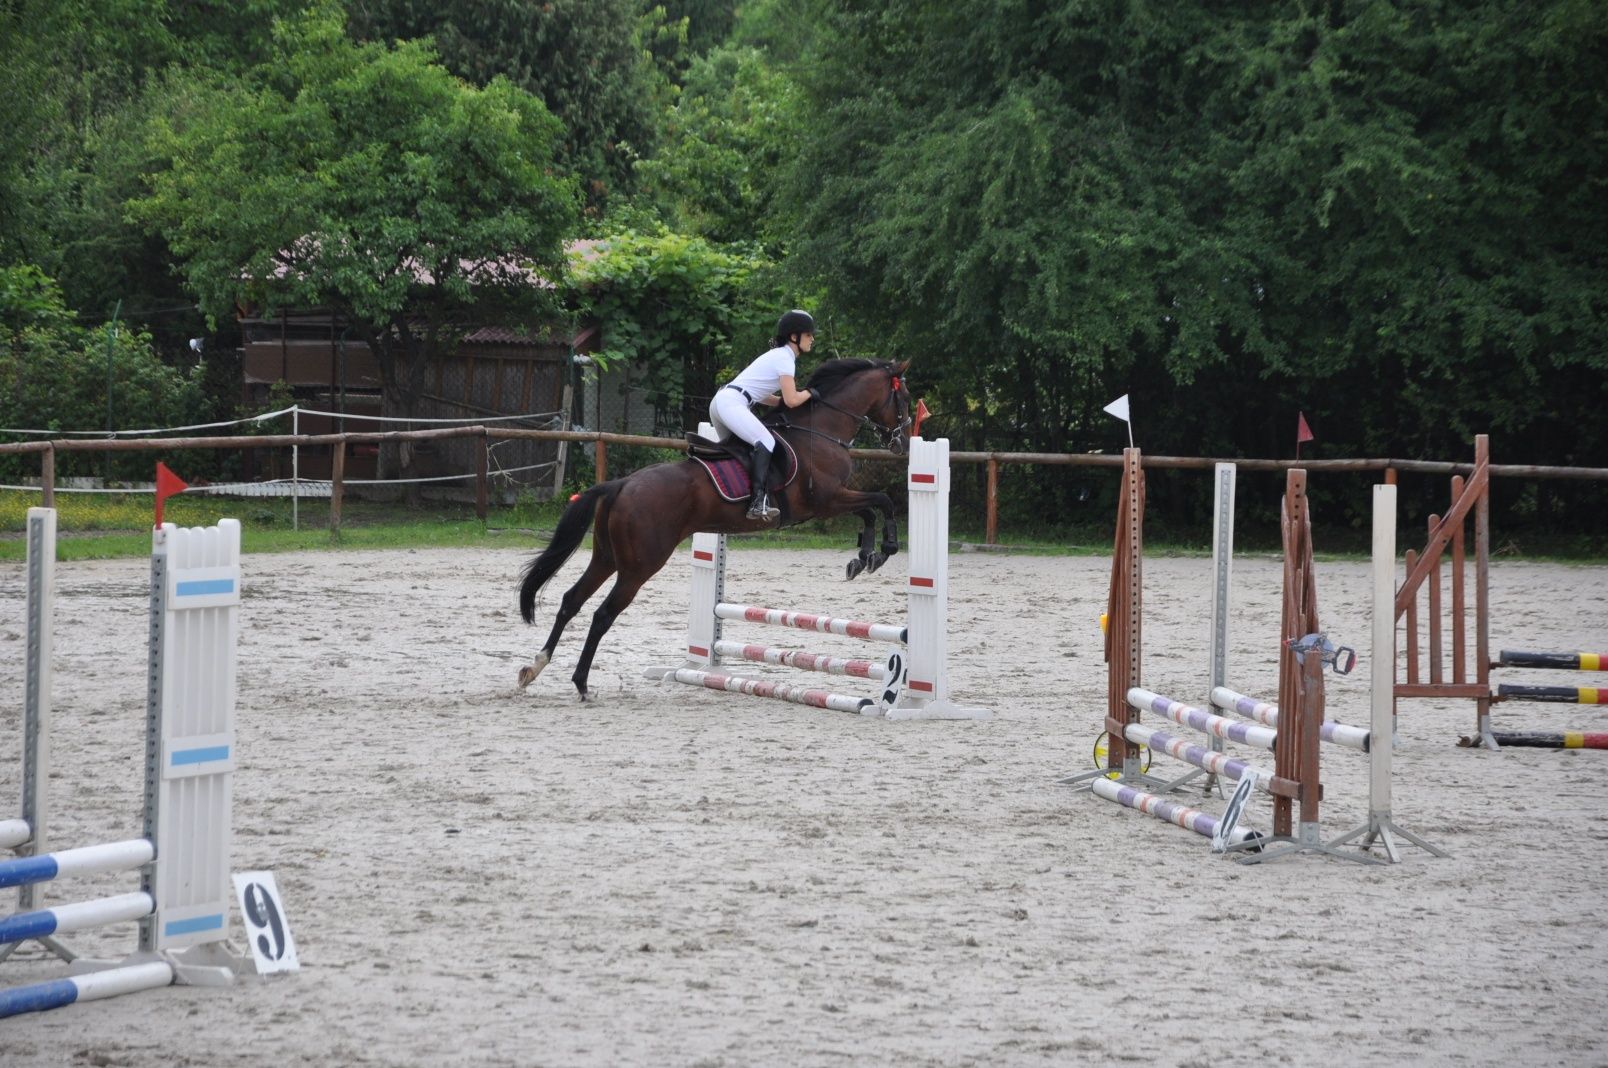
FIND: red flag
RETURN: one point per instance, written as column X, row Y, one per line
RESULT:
column 1302, row 432
column 167, row 484
column 921, row 414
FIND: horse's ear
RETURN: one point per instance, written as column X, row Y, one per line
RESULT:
column 901, row 367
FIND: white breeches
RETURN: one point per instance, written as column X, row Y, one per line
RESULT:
column 729, row 412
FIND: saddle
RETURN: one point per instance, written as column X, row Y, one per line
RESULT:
column 727, row 464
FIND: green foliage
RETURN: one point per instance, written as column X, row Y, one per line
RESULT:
column 56, row 375
column 726, row 142
column 709, row 22
column 1386, row 215
column 368, row 180
column 590, row 61
column 78, row 79
column 673, row 306
column 359, row 176
column 30, row 298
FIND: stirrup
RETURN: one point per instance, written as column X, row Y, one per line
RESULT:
column 761, row 509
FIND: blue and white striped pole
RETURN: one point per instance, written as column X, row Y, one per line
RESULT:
column 92, row 987
column 78, row 916
column 90, row 860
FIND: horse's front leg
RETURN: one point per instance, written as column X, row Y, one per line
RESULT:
column 868, row 534
column 866, row 506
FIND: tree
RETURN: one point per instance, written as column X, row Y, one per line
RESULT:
column 368, row 180
column 590, row 62
column 726, row 143
column 55, row 374
column 1388, row 214
column 677, row 308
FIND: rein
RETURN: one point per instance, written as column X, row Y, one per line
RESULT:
column 889, row 435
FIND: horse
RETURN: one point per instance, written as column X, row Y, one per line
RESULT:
column 641, row 518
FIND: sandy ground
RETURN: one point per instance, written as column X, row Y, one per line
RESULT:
column 670, row 876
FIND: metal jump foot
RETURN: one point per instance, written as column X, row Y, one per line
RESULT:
column 1380, row 829
column 1308, row 839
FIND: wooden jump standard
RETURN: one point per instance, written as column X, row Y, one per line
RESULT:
column 1301, row 687
column 1294, row 782
column 1470, row 677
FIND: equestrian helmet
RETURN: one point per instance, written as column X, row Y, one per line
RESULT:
column 792, row 323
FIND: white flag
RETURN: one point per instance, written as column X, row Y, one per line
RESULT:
column 1119, row 408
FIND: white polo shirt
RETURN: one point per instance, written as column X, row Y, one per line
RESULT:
column 764, row 376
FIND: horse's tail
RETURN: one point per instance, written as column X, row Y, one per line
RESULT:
column 566, row 538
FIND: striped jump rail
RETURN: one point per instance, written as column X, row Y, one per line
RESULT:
column 1190, row 819
column 79, row 916
column 832, row 665
column 1555, row 695
column 777, row 617
column 1189, row 716
column 1198, row 755
column 1267, row 713
column 113, row 982
column 1545, row 740
column 1556, row 661
column 90, row 860
column 781, row 691
column 14, row 833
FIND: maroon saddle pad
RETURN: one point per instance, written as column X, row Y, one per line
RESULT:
column 730, row 475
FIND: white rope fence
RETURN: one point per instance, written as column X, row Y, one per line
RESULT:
column 294, row 411
column 297, row 487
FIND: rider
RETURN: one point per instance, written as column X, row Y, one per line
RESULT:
column 769, row 381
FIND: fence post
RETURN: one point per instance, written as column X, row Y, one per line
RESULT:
column 481, row 463
column 602, row 460
column 47, row 477
column 991, row 532
column 337, row 475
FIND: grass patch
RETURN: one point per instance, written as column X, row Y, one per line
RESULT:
column 105, row 526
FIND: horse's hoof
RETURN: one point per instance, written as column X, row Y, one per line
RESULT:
column 582, row 691
column 854, row 567
column 528, row 673
column 876, row 561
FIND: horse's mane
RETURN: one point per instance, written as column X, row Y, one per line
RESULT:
column 830, row 374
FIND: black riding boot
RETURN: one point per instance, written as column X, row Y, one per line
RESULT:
column 758, row 473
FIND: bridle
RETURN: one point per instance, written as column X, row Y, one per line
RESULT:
column 892, row 437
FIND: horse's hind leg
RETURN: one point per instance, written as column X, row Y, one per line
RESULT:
column 642, row 549
column 618, row 600
column 597, row 572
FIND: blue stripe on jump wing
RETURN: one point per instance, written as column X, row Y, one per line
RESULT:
column 202, row 587
column 26, row 870
column 28, row 925
column 204, row 755
column 213, row 922
column 37, row 998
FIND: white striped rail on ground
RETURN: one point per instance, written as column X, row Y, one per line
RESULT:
column 1329, row 731
column 89, row 860
column 79, row 916
column 1198, row 755
column 1189, row 716
column 13, row 833
column 777, row 617
column 92, row 987
column 782, row 691
column 832, row 665
column 1191, row 819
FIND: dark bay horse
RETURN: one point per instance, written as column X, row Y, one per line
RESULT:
column 643, row 517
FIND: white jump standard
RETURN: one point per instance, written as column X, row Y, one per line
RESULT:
column 184, row 894
column 912, row 680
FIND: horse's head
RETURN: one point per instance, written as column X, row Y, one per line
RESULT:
column 896, row 411
column 870, row 391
